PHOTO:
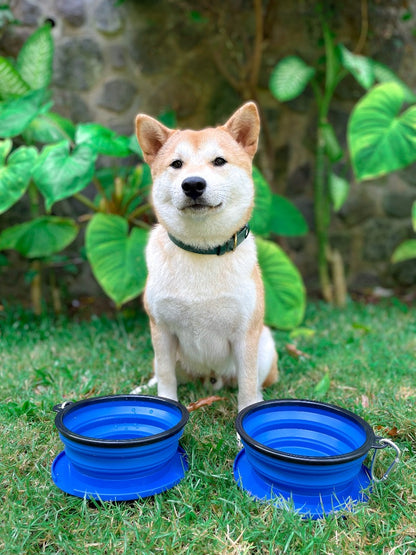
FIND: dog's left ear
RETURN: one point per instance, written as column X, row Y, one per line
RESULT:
column 152, row 135
column 244, row 127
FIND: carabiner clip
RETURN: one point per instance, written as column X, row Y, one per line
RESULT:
column 393, row 464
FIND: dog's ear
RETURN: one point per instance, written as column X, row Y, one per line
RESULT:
column 152, row 135
column 244, row 127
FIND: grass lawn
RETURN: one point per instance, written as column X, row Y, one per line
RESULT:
column 362, row 358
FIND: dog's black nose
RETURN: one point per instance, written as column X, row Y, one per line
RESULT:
column 193, row 187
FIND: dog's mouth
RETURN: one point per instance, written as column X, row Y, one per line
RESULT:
column 200, row 207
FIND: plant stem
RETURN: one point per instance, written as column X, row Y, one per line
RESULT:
column 36, row 265
column 139, row 211
column 86, row 202
column 36, row 287
column 321, row 216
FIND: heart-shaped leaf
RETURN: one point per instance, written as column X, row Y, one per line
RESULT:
column 289, row 78
column 286, row 219
column 40, row 237
column 49, row 128
column 405, row 251
column 117, row 257
column 59, row 173
column 283, row 287
column 34, row 62
column 11, row 83
column 360, row 67
column 260, row 218
column 17, row 113
column 381, row 139
column 102, row 140
column 15, row 175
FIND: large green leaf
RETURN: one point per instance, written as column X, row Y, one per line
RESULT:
column 286, row 219
column 59, row 173
column 34, row 62
column 381, row 139
column 283, row 286
column 405, row 251
column 260, row 218
column 17, row 113
column 40, row 237
column 290, row 77
column 49, row 128
column 11, row 82
column 102, row 140
column 15, row 175
column 117, row 257
column 414, row 215
column 360, row 67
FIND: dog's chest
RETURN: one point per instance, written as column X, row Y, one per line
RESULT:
column 216, row 302
column 197, row 293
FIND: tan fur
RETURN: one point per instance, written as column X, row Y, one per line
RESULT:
column 206, row 311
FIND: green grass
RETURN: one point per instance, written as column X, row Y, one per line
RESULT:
column 367, row 352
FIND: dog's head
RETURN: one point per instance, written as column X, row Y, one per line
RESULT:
column 202, row 186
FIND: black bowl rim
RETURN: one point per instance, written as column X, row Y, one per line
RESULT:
column 119, row 443
column 369, row 443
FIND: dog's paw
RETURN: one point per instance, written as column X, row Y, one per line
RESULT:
column 239, row 442
column 144, row 388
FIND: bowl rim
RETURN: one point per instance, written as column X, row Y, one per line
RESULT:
column 119, row 443
column 369, row 443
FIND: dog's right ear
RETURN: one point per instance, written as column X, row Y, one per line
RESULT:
column 152, row 135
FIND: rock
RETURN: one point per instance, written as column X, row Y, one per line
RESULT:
column 382, row 236
column 117, row 95
column 397, row 204
column 72, row 106
column 108, row 17
column 78, row 64
column 29, row 13
column 118, row 56
column 72, row 11
column 358, row 207
column 300, row 180
column 404, row 272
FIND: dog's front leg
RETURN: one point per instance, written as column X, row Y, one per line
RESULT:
column 165, row 346
column 246, row 357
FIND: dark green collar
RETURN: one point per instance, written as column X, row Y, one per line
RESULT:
column 228, row 246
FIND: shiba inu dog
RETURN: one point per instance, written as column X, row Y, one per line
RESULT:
column 204, row 293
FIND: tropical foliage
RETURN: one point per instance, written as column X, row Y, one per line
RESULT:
column 58, row 161
column 380, row 140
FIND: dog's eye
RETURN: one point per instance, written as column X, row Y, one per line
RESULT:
column 177, row 164
column 219, row 161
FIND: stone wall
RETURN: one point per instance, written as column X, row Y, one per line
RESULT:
column 113, row 60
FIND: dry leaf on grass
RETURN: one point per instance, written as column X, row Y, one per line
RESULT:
column 206, row 401
column 294, row 352
column 392, row 432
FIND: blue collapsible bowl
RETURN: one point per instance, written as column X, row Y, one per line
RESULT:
column 120, row 447
column 304, row 454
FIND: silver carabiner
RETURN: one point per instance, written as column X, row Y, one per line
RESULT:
column 393, row 464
